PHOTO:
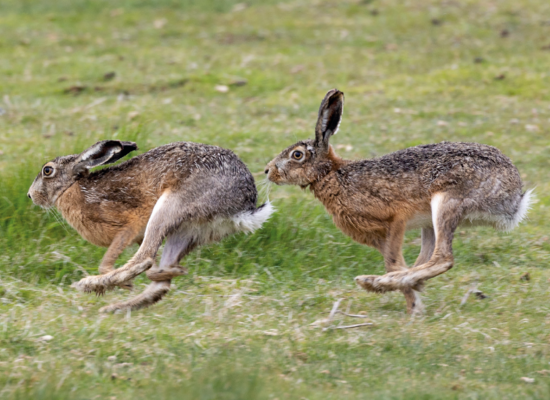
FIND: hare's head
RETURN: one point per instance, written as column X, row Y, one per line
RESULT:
column 307, row 161
column 59, row 174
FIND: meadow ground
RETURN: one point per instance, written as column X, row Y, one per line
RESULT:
column 249, row 76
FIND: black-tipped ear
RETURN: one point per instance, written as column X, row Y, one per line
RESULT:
column 104, row 152
column 330, row 115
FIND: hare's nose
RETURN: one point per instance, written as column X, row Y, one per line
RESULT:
column 29, row 195
column 267, row 171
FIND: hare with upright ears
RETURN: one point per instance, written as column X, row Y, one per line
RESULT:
column 435, row 187
column 188, row 194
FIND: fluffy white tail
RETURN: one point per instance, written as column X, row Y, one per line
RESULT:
column 523, row 208
column 249, row 221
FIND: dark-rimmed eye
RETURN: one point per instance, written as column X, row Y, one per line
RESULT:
column 297, row 154
column 48, row 171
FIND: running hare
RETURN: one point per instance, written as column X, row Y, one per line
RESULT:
column 436, row 187
column 189, row 194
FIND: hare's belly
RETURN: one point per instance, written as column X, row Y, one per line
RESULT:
column 472, row 219
column 420, row 220
column 359, row 228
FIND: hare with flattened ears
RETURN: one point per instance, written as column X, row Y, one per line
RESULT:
column 187, row 194
column 435, row 187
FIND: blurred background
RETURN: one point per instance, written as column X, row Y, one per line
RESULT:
column 249, row 76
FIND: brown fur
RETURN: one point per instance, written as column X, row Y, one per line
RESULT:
column 187, row 193
column 376, row 201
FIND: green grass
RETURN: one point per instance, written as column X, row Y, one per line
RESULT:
column 238, row 326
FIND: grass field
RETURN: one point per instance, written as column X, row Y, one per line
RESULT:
column 249, row 77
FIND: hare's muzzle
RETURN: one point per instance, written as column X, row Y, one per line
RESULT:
column 272, row 174
column 268, row 168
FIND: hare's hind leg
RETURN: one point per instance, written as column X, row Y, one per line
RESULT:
column 161, row 223
column 446, row 215
column 153, row 293
column 177, row 246
column 414, row 300
column 428, row 246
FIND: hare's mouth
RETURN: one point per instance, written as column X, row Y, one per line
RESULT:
column 45, row 207
column 276, row 179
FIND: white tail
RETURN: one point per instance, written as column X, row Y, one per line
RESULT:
column 249, row 221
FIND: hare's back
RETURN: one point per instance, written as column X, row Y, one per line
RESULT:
column 180, row 159
column 189, row 156
column 206, row 166
column 444, row 156
column 444, row 166
column 410, row 177
column 188, row 168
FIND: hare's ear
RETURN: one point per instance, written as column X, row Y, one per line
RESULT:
column 330, row 115
column 104, row 152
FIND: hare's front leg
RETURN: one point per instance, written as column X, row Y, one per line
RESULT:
column 391, row 249
column 122, row 240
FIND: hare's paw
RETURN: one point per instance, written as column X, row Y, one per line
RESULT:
column 369, row 283
column 380, row 283
column 166, row 273
column 418, row 310
column 92, row 284
column 152, row 294
column 410, row 281
column 389, row 282
column 108, row 281
column 128, row 285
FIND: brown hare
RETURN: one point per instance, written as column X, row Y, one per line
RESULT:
column 435, row 187
column 187, row 193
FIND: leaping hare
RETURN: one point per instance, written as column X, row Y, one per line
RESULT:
column 436, row 187
column 187, row 193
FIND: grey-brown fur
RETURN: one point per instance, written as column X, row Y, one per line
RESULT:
column 435, row 187
column 187, row 193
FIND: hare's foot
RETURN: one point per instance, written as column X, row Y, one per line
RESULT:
column 128, row 285
column 105, row 269
column 414, row 302
column 398, row 280
column 418, row 307
column 101, row 283
column 157, row 273
column 90, row 284
column 152, row 294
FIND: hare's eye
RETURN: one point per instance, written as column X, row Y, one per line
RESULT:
column 48, row 171
column 297, row 155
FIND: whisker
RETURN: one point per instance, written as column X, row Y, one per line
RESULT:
column 59, row 219
column 264, row 187
column 63, row 221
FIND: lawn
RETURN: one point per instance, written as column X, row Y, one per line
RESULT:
column 249, row 76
